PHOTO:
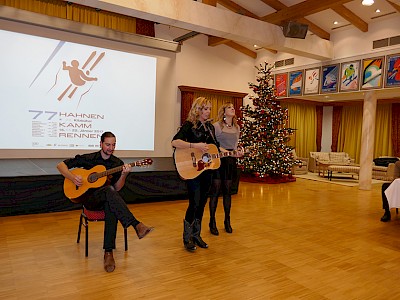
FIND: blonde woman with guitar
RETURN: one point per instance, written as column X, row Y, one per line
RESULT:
column 96, row 194
column 196, row 136
column 227, row 133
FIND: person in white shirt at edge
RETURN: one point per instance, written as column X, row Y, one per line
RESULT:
column 385, row 204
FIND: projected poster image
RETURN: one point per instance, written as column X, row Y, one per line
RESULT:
column 393, row 71
column 63, row 95
column 372, row 73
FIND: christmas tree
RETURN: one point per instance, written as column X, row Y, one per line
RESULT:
column 264, row 134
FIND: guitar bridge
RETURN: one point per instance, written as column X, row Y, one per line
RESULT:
column 193, row 160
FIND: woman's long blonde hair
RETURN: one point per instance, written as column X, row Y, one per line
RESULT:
column 221, row 115
column 195, row 111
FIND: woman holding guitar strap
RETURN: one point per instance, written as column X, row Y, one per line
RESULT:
column 196, row 132
column 227, row 134
column 105, row 197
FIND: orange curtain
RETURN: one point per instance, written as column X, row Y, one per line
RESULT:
column 238, row 103
column 217, row 98
column 319, row 112
column 186, row 103
column 396, row 129
column 84, row 14
column 145, row 27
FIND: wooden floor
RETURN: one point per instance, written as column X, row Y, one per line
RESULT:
column 300, row 240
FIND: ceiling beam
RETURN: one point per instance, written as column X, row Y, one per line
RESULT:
column 318, row 31
column 275, row 4
column 351, row 17
column 237, row 8
column 301, row 9
column 396, row 6
column 215, row 41
column 209, row 20
column 210, row 2
column 241, row 49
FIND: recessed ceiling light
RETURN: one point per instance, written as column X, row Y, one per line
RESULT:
column 255, row 46
column 378, row 11
column 336, row 22
column 367, row 2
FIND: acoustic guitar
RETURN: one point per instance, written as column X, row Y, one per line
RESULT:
column 191, row 162
column 94, row 178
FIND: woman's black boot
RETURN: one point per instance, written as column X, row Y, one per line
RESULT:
column 188, row 236
column 196, row 234
column 213, row 207
column 227, row 209
column 213, row 227
column 227, row 224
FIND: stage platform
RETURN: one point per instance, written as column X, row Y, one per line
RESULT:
column 35, row 186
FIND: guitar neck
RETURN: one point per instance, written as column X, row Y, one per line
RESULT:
column 114, row 170
column 224, row 154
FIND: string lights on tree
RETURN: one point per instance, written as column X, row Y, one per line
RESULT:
column 264, row 133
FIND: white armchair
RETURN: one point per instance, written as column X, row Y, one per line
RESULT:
column 300, row 168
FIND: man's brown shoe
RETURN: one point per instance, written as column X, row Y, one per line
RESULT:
column 142, row 230
column 109, row 262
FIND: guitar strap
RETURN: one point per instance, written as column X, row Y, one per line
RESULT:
column 210, row 131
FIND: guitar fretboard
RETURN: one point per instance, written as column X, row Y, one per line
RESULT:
column 224, row 154
column 118, row 169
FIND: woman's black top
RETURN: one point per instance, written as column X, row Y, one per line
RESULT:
column 204, row 133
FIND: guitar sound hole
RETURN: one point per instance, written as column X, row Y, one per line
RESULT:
column 206, row 158
column 92, row 177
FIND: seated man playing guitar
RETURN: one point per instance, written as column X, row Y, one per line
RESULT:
column 105, row 197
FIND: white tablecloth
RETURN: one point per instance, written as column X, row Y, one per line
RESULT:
column 393, row 194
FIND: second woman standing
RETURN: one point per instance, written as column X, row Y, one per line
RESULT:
column 227, row 133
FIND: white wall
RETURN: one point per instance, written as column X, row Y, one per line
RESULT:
column 326, row 141
column 199, row 65
column 351, row 42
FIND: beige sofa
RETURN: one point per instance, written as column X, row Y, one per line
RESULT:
column 336, row 158
column 378, row 172
column 383, row 173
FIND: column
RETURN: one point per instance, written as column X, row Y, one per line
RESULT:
column 367, row 140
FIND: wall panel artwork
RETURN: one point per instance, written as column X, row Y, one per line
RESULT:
column 372, row 73
column 295, row 83
column 281, row 81
column 392, row 78
column 350, row 76
column 329, row 82
column 311, row 81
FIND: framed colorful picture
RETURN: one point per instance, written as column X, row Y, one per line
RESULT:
column 350, row 76
column 329, row 81
column 295, row 83
column 392, row 78
column 372, row 73
column 281, row 81
column 311, row 81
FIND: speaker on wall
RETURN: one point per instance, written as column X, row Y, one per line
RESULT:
column 295, row 30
